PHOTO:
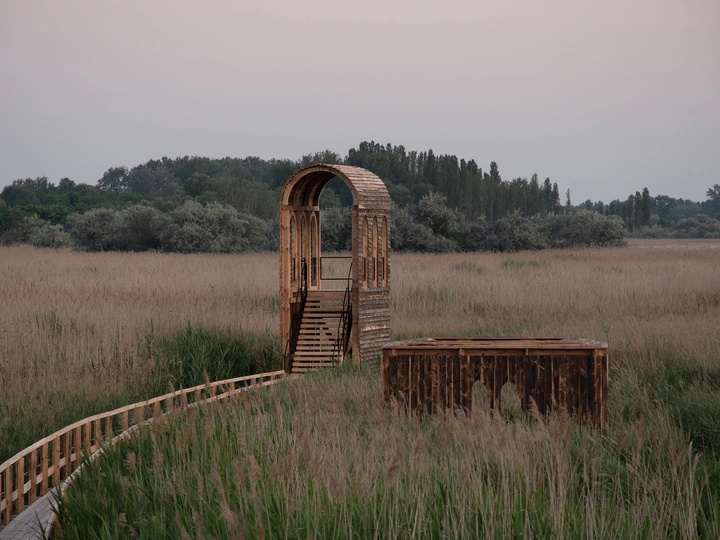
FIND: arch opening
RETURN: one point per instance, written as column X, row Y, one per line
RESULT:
column 345, row 251
column 480, row 400
column 510, row 406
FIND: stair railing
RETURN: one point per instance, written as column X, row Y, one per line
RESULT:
column 345, row 322
column 297, row 308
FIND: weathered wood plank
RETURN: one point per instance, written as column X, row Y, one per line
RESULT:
column 574, row 381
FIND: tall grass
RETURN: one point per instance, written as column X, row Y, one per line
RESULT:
column 320, row 457
column 80, row 333
column 189, row 356
column 84, row 333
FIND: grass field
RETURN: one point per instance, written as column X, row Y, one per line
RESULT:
column 85, row 332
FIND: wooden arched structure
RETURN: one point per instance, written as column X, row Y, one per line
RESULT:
column 321, row 322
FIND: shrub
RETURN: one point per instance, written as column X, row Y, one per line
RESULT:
column 37, row 232
column 136, row 229
column 95, row 230
column 517, row 233
column 215, row 228
column 585, row 229
column 336, row 230
column 700, row 226
column 408, row 235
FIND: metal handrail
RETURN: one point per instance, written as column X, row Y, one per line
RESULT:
column 296, row 317
column 340, row 345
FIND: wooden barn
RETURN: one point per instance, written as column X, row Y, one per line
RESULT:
column 326, row 319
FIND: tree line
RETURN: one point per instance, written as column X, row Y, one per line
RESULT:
column 441, row 203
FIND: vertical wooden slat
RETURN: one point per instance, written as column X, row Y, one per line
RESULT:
column 489, row 379
column 547, row 364
column 408, row 383
column 108, row 429
column 385, row 368
column 539, row 394
column 414, row 400
column 435, row 384
column 392, row 377
column 32, row 476
column 422, row 380
column 442, row 382
column 56, row 460
column 124, row 421
column 455, row 362
column 530, row 378
column 605, row 376
column 44, row 457
column 556, row 366
column 592, row 387
column 87, row 437
column 465, row 383
column 582, row 411
column 97, row 430
column 139, row 414
column 157, row 410
column 427, row 401
column 404, row 379
column 572, row 382
column 7, row 496
column 563, row 383
column 67, row 450
column 20, row 483
column 77, row 448
column 516, row 375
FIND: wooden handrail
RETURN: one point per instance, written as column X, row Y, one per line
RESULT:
column 32, row 472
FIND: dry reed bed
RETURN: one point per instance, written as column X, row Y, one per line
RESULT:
column 74, row 326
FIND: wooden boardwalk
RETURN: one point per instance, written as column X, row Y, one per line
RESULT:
column 33, row 473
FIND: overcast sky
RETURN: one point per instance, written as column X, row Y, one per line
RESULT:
column 604, row 97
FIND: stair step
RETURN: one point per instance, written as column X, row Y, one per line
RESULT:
column 313, row 364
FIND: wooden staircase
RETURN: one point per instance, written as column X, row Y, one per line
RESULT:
column 321, row 339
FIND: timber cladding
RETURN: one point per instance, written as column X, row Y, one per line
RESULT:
column 316, row 328
column 435, row 374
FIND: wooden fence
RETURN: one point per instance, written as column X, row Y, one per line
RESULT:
column 39, row 468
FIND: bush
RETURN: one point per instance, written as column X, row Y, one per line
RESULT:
column 408, row 235
column 96, row 230
column 700, row 226
column 136, row 229
column 517, row 233
column 37, row 232
column 336, row 229
column 587, row 229
column 215, row 228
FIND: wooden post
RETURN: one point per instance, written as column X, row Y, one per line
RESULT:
column 44, row 468
column 7, row 498
column 56, row 461
column 20, row 482
column 32, row 476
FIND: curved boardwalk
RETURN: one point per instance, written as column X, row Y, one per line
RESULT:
column 58, row 458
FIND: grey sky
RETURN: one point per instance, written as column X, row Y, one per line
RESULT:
column 603, row 97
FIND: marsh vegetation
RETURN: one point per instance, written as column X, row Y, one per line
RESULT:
column 84, row 332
